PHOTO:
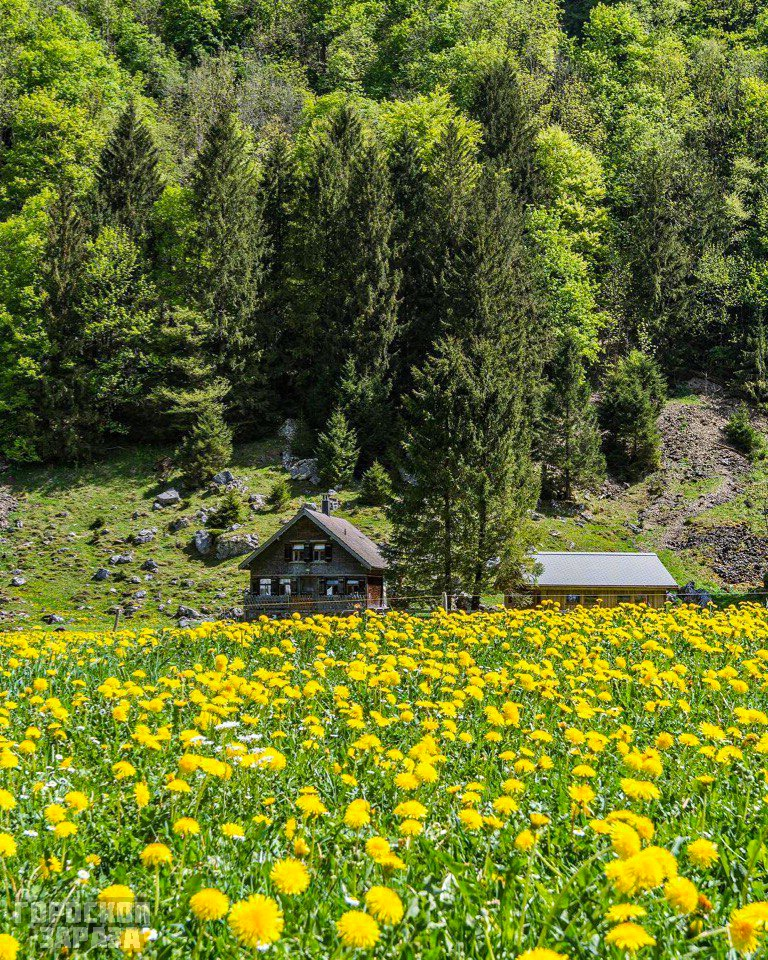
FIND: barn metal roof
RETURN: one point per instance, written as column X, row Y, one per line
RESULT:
column 342, row 531
column 561, row 569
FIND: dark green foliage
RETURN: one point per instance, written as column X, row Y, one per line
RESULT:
column 230, row 511
column 280, row 495
column 345, row 306
column 509, row 128
column 207, row 448
column 337, row 451
column 632, row 397
column 743, row 435
column 568, row 437
column 228, row 250
column 376, row 486
column 468, row 447
column 128, row 179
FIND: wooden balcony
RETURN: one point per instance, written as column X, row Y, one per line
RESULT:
column 256, row 605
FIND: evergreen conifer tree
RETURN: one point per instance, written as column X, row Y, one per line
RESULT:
column 337, row 451
column 509, row 128
column 376, row 486
column 228, row 252
column 128, row 180
column 345, row 308
column 633, row 395
column 569, row 435
column 207, row 448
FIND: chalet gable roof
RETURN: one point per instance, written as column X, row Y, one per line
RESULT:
column 561, row 569
column 343, row 532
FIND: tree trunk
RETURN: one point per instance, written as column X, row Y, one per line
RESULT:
column 482, row 530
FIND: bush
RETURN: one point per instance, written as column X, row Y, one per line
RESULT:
column 743, row 435
column 280, row 495
column 207, row 449
column 337, row 451
column 229, row 511
column 376, row 486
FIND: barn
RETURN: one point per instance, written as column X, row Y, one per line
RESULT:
column 315, row 563
column 584, row 579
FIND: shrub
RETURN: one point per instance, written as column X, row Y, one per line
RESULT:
column 376, row 486
column 280, row 495
column 207, row 449
column 742, row 435
column 229, row 511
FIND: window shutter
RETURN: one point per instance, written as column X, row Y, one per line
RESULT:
column 328, row 552
column 288, row 552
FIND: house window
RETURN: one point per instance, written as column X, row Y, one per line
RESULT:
column 318, row 553
column 265, row 587
column 330, row 588
column 572, row 599
column 641, row 598
column 624, row 598
column 285, row 587
column 297, row 552
column 354, row 586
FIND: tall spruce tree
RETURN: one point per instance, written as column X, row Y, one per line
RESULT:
column 128, row 180
column 345, row 307
column 337, row 451
column 509, row 128
column 228, row 251
column 568, row 434
column 468, row 446
column 633, row 395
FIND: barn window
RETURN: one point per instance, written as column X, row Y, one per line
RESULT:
column 265, row 587
column 572, row 599
column 353, row 586
column 285, row 587
column 331, row 588
column 297, row 552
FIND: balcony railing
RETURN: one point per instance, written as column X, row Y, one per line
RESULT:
column 257, row 603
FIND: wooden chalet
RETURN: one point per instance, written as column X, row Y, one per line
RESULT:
column 583, row 579
column 315, row 563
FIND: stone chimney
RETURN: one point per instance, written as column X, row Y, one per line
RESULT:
column 326, row 508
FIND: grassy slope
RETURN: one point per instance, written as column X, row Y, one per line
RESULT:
column 58, row 552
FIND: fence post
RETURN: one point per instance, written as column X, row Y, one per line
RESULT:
column 117, row 618
column 445, row 602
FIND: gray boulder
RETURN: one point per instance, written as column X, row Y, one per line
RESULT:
column 168, row 498
column 119, row 559
column 178, row 524
column 304, row 470
column 257, row 501
column 101, row 574
column 18, row 581
column 187, row 612
column 53, row 618
column 203, row 542
column 236, row 545
column 150, row 565
column 144, row 536
column 223, row 478
column 185, row 623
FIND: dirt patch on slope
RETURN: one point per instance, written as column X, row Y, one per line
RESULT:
column 735, row 553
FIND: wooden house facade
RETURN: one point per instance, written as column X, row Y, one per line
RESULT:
column 316, row 563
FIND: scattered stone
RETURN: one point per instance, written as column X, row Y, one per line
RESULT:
column 236, row 546
column 257, row 501
column 150, row 565
column 53, row 618
column 168, row 498
column 180, row 523
column 144, row 536
column 188, row 612
column 134, row 579
column 304, row 470
column 118, row 559
column 223, row 478
column 18, row 581
column 203, row 541
column 101, row 574
column 140, row 595
column 185, row 623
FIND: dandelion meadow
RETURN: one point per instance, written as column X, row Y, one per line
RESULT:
column 526, row 784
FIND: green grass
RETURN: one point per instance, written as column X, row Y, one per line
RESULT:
column 58, row 551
